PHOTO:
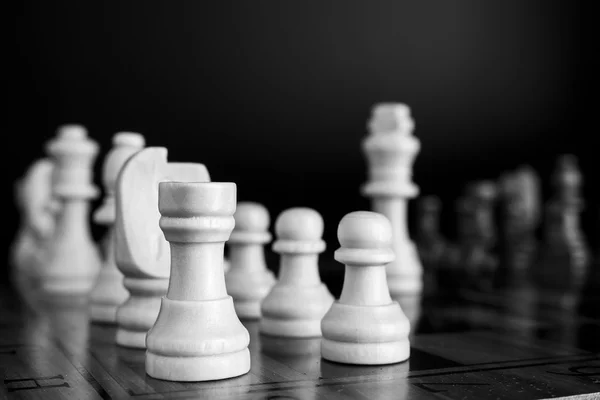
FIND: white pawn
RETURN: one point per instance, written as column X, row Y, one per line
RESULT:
column 248, row 279
column 197, row 335
column 299, row 300
column 365, row 326
column 390, row 150
column 71, row 259
column 109, row 292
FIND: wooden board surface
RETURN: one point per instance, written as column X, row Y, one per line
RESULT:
column 512, row 345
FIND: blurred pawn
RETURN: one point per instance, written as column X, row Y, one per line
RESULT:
column 109, row 292
column 519, row 197
column 429, row 241
column 299, row 300
column 477, row 235
column 248, row 278
column 564, row 255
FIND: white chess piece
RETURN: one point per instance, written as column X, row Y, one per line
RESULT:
column 390, row 150
column 34, row 198
column 197, row 335
column 248, row 279
column 365, row 326
column 71, row 259
column 141, row 251
column 299, row 300
column 109, row 292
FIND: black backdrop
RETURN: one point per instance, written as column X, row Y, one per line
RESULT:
column 275, row 95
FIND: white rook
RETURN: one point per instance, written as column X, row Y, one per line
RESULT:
column 197, row 335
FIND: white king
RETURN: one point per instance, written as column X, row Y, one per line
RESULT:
column 390, row 150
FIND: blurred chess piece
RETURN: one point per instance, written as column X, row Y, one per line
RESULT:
column 471, row 262
column 430, row 242
column 34, row 201
column 141, row 252
column 520, row 199
column 564, row 255
column 109, row 292
column 390, row 149
column 299, row 300
column 248, row 279
column 71, row 259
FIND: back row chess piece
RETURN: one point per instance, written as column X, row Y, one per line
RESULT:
column 71, row 259
column 109, row 292
column 141, row 251
column 248, row 278
column 299, row 300
column 390, row 150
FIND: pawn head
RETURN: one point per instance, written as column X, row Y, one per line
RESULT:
column 251, row 217
column 71, row 132
column 302, row 224
column 365, row 230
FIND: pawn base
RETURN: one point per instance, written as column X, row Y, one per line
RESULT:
column 365, row 353
column 193, row 369
column 365, row 335
column 131, row 338
column 103, row 313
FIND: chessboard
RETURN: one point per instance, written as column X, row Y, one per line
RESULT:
column 474, row 344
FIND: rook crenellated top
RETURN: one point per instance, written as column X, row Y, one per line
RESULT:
column 197, row 211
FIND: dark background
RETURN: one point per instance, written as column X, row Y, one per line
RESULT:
column 275, row 95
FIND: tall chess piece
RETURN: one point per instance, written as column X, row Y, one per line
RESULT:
column 197, row 336
column 34, row 199
column 299, row 300
column 480, row 260
column 519, row 195
column 71, row 259
column 564, row 255
column 390, row 150
column 141, row 252
column 248, row 279
column 430, row 242
column 109, row 292
column 365, row 326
